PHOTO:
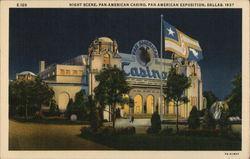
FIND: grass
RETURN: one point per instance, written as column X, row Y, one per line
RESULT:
column 37, row 136
column 173, row 142
column 40, row 136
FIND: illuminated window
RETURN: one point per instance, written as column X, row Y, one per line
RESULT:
column 53, row 73
column 67, row 72
column 138, row 104
column 106, row 60
column 177, row 68
column 193, row 70
column 74, row 72
column 62, row 72
column 80, row 72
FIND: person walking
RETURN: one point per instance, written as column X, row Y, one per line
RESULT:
column 132, row 119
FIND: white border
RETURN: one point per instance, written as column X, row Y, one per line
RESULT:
column 4, row 10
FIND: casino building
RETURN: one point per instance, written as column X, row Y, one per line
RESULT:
column 144, row 69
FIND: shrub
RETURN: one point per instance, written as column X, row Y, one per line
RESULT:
column 224, row 125
column 193, row 119
column 38, row 115
column 69, row 108
column 54, row 109
column 208, row 120
column 167, row 131
column 155, row 123
column 199, row 132
column 106, row 131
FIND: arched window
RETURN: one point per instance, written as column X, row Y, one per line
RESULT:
column 106, row 60
column 177, row 68
column 193, row 69
column 138, row 104
column 150, row 104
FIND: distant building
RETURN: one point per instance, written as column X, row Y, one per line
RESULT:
column 144, row 69
column 26, row 75
column 65, row 79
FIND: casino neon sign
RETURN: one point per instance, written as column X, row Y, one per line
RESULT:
column 142, row 72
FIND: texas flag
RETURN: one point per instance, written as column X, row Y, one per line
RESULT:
column 181, row 44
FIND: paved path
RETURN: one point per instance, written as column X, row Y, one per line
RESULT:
column 33, row 136
column 143, row 124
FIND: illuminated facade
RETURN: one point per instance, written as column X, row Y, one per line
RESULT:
column 26, row 75
column 144, row 69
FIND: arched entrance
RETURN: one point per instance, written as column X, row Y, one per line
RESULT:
column 126, row 107
column 63, row 101
column 150, row 104
column 162, row 103
column 138, row 104
column 171, row 108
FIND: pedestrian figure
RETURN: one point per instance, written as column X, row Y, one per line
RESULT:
column 132, row 119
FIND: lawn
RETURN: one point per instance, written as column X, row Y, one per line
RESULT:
column 40, row 136
column 173, row 142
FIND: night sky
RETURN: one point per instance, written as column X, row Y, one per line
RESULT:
column 56, row 35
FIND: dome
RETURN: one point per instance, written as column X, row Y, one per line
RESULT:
column 105, row 39
column 26, row 73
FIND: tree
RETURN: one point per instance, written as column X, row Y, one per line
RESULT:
column 174, row 90
column 156, row 122
column 211, row 98
column 208, row 120
column 29, row 93
column 193, row 119
column 111, row 89
column 234, row 98
column 54, row 109
column 94, row 116
column 81, row 107
column 224, row 125
column 69, row 108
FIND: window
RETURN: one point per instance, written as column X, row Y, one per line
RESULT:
column 74, row 72
column 80, row 72
column 177, row 68
column 106, row 60
column 67, row 72
column 62, row 72
column 193, row 70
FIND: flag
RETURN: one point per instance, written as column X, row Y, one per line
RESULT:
column 181, row 44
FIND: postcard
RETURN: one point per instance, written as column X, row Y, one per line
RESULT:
column 124, row 79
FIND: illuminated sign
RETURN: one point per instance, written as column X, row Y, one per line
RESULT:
column 142, row 72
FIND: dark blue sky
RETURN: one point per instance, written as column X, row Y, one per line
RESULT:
column 55, row 35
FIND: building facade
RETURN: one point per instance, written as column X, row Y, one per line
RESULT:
column 146, row 74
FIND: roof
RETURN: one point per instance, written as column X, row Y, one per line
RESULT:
column 26, row 73
column 105, row 39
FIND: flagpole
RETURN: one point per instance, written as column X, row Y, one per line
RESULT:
column 161, row 113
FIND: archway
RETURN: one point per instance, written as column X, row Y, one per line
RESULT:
column 161, row 103
column 63, row 100
column 125, row 107
column 150, row 104
column 171, row 107
column 138, row 104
